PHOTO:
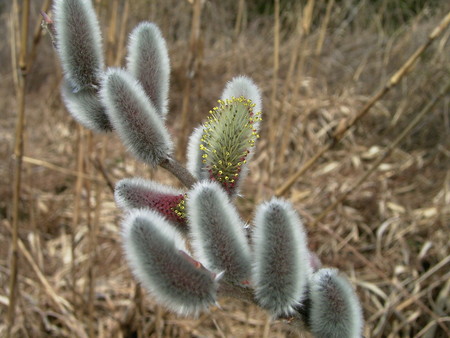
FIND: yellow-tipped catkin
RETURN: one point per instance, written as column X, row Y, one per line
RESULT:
column 228, row 137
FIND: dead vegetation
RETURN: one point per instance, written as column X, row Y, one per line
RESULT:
column 390, row 234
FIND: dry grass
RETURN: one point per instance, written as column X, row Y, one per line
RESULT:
column 390, row 235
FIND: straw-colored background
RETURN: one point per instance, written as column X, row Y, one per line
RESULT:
column 318, row 64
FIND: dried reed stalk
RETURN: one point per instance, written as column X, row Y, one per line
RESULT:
column 304, row 27
column 91, row 245
column 14, row 29
column 18, row 154
column 344, row 125
column 77, row 207
column 273, row 98
column 323, row 27
column 241, row 18
column 192, row 67
column 54, row 167
column 112, row 28
column 122, row 34
column 37, row 35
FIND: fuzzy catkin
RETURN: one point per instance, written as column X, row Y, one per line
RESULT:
column 218, row 233
column 335, row 310
column 79, row 43
column 148, row 61
column 281, row 269
column 157, row 254
column 136, row 193
column 134, row 117
column 245, row 87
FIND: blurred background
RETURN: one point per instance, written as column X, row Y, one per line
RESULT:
column 375, row 206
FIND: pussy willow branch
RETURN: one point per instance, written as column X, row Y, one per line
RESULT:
column 297, row 318
column 170, row 164
column 180, row 172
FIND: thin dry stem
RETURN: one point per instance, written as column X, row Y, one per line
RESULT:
column 122, row 33
column 274, row 94
column 240, row 18
column 112, row 28
column 77, row 208
column 91, row 245
column 54, row 167
column 323, row 28
column 18, row 154
column 37, row 35
column 304, row 29
column 192, row 67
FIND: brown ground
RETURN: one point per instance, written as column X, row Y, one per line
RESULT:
column 390, row 236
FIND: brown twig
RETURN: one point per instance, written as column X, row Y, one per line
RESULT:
column 122, row 33
column 274, row 94
column 77, row 207
column 98, row 164
column 18, row 154
column 345, row 126
column 51, row 166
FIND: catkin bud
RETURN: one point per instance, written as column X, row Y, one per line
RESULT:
column 134, row 117
column 157, row 254
column 335, row 310
column 86, row 108
column 79, row 43
column 148, row 61
column 136, row 193
column 229, row 136
column 281, row 258
column 218, row 233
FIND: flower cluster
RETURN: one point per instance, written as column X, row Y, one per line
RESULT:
column 229, row 134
